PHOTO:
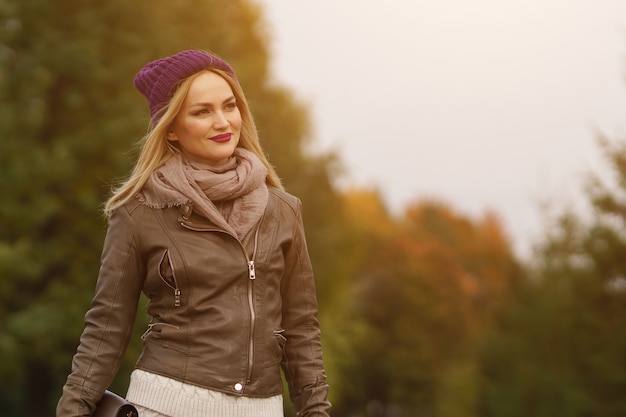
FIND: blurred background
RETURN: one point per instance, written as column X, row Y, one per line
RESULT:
column 462, row 167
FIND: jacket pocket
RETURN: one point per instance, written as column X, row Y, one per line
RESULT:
column 167, row 275
column 277, row 350
column 154, row 328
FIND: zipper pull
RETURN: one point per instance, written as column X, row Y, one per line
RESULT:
column 251, row 272
column 177, row 297
column 148, row 330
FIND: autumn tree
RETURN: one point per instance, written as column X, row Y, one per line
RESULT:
column 423, row 287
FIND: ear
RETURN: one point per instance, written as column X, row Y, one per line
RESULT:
column 171, row 136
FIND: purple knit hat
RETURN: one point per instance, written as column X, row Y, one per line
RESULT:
column 158, row 80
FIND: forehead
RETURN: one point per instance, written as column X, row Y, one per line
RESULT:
column 208, row 87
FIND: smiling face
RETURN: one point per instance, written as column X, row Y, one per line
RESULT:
column 208, row 125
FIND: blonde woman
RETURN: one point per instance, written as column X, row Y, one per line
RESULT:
column 204, row 229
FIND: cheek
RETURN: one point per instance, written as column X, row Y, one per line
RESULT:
column 236, row 122
column 192, row 128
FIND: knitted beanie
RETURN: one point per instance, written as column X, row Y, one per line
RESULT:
column 158, row 80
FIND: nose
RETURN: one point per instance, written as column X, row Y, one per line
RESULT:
column 221, row 121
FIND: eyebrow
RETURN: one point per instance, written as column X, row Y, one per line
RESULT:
column 207, row 104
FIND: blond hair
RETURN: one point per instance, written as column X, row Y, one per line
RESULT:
column 156, row 149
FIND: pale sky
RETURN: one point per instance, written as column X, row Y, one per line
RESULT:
column 483, row 104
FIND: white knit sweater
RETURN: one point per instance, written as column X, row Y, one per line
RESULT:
column 169, row 397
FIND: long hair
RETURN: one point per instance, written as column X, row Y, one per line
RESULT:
column 156, row 149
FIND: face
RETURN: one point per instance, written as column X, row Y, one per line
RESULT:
column 208, row 126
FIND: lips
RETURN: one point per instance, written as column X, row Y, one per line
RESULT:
column 225, row 137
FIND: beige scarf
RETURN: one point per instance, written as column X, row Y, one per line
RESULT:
column 233, row 195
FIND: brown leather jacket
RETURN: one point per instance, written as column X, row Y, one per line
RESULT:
column 226, row 314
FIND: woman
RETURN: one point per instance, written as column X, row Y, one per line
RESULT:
column 204, row 229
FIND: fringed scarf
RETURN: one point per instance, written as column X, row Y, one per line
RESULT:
column 233, row 195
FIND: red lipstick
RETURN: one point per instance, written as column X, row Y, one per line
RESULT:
column 225, row 137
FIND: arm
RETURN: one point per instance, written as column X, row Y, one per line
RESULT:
column 108, row 322
column 302, row 363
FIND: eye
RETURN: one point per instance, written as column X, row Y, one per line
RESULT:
column 201, row 112
column 231, row 106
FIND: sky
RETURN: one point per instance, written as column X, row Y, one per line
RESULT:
column 485, row 105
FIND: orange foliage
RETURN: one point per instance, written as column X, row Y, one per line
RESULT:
column 424, row 288
column 366, row 212
column 462, row 265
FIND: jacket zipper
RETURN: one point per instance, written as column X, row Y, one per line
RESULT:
column 175, row 286
column 151, row 325
column 251, row 278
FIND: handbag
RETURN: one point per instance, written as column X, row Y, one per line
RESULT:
column 112, row 405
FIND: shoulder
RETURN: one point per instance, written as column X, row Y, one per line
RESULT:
column 131, row 210
column 285, row 200
column 128, row 209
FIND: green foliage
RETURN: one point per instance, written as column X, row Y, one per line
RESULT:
column 558, row 349
column 68, row 118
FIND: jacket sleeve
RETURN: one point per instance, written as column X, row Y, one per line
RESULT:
column 302, row 362
column 108, row 322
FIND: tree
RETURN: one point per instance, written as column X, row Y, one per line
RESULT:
column 68, row 117
column 558, row 349
column 421, row 295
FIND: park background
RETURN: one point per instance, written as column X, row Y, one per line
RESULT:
column 438, row 296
